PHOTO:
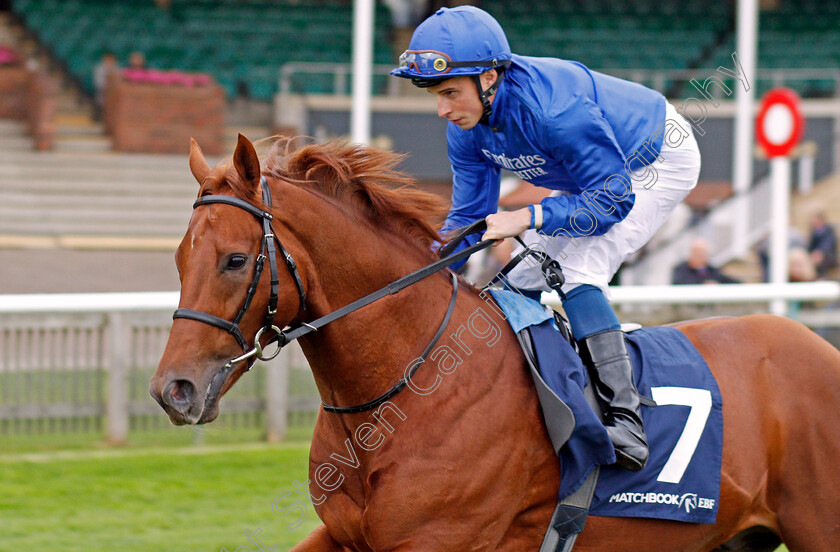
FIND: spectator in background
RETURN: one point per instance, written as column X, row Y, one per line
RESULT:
column 137, row 60
column 407, row 12
column 800, row 266
column 796, row 239
column 697, row 270
column 822, row 245
column 101, row 73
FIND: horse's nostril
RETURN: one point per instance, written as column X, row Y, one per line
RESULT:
column 179, row 393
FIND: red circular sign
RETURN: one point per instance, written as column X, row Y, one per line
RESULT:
column 780, row 124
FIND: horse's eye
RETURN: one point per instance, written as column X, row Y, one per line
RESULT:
column 236, row 262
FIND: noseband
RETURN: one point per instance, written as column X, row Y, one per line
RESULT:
column 267, row 252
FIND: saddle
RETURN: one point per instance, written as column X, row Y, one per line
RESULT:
column 560, row 429
column 682, row 479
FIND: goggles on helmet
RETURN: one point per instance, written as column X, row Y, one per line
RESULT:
column 431, row 63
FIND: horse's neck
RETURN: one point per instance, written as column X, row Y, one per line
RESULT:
column 358, row 357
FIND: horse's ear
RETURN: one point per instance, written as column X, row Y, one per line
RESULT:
column 246, row 162
column 198, row 164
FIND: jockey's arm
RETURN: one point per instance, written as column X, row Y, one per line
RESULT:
column 583, row 140
column 475, row 191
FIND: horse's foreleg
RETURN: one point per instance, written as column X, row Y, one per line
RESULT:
column 319, row 540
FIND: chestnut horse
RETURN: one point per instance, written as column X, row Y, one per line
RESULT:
column 461, row 460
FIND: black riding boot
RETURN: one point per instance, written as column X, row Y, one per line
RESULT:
column 616, row 390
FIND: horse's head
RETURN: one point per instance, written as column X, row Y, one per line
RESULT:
column 226, row 303
column 342, row 221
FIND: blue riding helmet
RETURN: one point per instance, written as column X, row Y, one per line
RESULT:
column 454, row 42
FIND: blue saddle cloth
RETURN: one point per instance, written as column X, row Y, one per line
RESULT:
column 681, row 480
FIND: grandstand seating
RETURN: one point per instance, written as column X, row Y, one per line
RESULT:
column 799, row 34
column 241, row 44
column 615, row 35
column 47, row 195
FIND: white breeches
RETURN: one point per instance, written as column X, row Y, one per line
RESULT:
column 658, row 188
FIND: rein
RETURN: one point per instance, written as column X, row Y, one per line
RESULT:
column 284, row 337
column 370, row 405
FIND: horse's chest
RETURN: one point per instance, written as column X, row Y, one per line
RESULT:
column 342, row 515
column 337, row 488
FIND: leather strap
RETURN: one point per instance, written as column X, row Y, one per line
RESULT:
column 302, row 329
column 199, row 316
column 478, row 226
column 569, row 516
column 236, row 202
column 370, row 405
column 268, row 251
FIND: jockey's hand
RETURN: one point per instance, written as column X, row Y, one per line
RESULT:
column 507, row 224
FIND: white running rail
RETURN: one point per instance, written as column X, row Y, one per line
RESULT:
column 167, row 301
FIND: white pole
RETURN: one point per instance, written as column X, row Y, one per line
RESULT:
column 118, row 365
column 779, row 215
column 363, row 14
column 747, row 32
column 806, row 173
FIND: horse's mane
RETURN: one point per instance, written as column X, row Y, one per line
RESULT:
column 363, row 177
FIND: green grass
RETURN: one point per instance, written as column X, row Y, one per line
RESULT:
column 197, row 499
column 183, row 436
column 160, row 492
column 189, row 499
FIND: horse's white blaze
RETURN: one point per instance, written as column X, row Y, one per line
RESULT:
column 700, row 402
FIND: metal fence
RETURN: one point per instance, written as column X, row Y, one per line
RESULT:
column 89, row 373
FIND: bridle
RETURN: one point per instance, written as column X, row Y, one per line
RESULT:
column 268, row 252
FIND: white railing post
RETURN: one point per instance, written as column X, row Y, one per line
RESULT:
column 780, row 215
column 119, row 351
column 277, row 396
column 285, row 78
column 363, row 25
column 340, row 80
column 699, row 294
column 805, row 178
column 742, row 169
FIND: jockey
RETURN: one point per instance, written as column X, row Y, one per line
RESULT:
column 617, row 155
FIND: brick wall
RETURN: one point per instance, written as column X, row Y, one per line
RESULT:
column 153, row 118
column 30, row 96
column 41, row 103
column 13, row 82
